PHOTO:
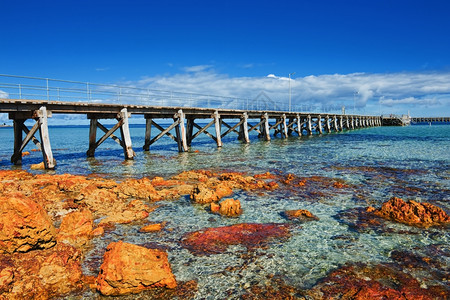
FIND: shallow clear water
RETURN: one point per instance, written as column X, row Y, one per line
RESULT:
column 314, row 248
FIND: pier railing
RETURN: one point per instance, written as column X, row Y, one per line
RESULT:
column 37, row 88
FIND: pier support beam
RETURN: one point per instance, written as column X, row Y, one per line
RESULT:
column 265, row 127
column 40, row 116
column 218, row 129
column 148, row 133
column 243, row 129
column 309, row 125
column 122, row 123
column 180, row 131
column 319, row 124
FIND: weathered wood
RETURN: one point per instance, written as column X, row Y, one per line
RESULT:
column 92, row 137
column 283, row 126
column 266, row 127
column 160, row 128
column 299, row 125
column 336, row 128
column 112, row 136
column 125, row 133
column 217, row 125
column 164, row 131
column 189, row 131
column 148, row 134
column 243, row 129
column 203, row 130
column 16, row 158
column 181, row 132
column 255, row 128
column 231, row 128
column 327, row 124
column 33, row 138
column 309, row 125
column 91, row 151
column 319, row 124
column 45, row 139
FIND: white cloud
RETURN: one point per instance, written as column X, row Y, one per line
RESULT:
column 196, row 69
column 3, row 94
column 367, row 93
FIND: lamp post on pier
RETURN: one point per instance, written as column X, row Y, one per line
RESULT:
column 290, row 74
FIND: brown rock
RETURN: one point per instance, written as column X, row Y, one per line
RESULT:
column 153, row 227
column 129, row 268
column 228, row 207
column 215, row 208
column 301, row 214
column 76, row 228
column 413, row 213
column 41, row 274
column 202, row 194
column 24, row 225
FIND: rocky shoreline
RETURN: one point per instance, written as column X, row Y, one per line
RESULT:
column 48, row 223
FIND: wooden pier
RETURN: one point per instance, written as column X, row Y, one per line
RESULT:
column 429, row 120
column 184, row 120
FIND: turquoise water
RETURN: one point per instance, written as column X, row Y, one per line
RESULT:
column 378, row 163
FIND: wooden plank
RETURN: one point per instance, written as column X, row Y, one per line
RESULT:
column 91, row 151
column 309, row 126
column 319, row 124
column 92, row 137
column 189, row 130
column 231, row 128
column 16, row 158
column 266, row 127
column 45, row 139
column 203, row 130
column 33, row 138
column 243, row 129
column 181, row 132
column 217, row 125
column 164, row 131
column 148, row 134
column 126, row 137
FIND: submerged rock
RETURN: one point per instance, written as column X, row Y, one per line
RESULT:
column 228, row 207
column 153, row 227
column 129, row 268
column 412, row 213
column 300, row 214
column 364, row 281
column 24, row 225
column 216, row 240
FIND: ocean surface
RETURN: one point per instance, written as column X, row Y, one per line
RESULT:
column 409, row 162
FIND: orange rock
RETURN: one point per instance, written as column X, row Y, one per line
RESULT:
column 153, row 227
column 98, row 231
column 339, row 185
column 43, row 274
column 202, row 194
column 25, row 153
column 301, row 214
column 413, row 213
column 215, row 208
column 266, row 175
column 129, row 268
column 230, row 208
column 24, row 225
column 216, row 240
column 76, row 228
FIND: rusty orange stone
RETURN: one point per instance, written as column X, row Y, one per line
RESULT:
column 217, row 239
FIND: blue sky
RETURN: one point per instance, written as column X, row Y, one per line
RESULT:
column 394, row 54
